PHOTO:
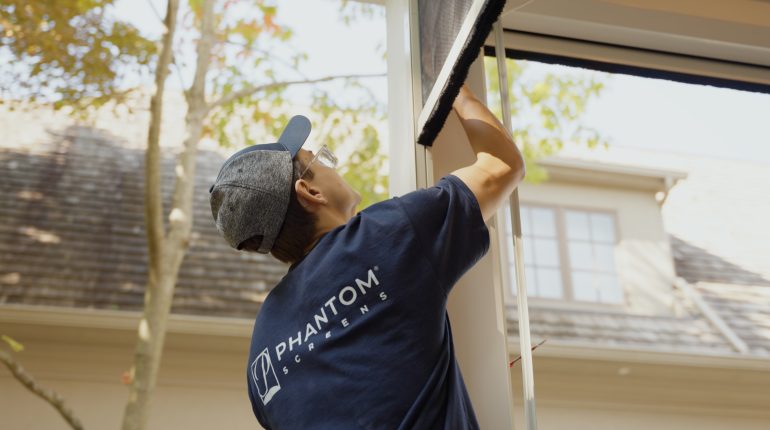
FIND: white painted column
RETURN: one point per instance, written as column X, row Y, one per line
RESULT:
column 402, row 78
column 475, row 306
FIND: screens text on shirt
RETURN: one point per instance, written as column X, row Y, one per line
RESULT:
column 262, row 368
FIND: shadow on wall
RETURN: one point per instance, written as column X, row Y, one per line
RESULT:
column 698, row 265
column 72, row 231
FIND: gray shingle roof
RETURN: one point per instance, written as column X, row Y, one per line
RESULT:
column 696, row 264
column 72, row 232
column 745, row 308
column 692, row 333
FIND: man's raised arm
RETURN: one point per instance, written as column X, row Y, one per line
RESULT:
column 499, row 165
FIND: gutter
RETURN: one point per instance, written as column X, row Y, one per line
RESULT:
column 643, row 355
column 54, row 316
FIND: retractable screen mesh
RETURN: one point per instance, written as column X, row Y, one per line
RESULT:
column 452, row 33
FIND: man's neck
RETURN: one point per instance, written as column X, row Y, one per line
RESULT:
column 327, row 221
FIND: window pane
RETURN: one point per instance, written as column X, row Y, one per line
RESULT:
column 577, row 225
column 529, row 251
column 605, row 257
column 546, row 252
column 549, row 283
column 529, row 273
column 583, row 286
column 512, row 277
column 580, row 256
column 543, row 222
column 531, row 280
column 509, row 248
column 609, row 289
column 602, row 228
column 529, row 256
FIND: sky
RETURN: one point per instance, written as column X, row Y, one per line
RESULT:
column 632, row 111
column 672, row 116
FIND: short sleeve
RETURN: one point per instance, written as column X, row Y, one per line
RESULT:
column 449, row 226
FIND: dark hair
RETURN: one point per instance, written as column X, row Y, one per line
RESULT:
column 298, row 227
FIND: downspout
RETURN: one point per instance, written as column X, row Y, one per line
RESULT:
column 668, row 183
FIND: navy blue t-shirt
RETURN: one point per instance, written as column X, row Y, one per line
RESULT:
column 356, row 334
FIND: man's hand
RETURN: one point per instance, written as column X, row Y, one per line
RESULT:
column 463, row 96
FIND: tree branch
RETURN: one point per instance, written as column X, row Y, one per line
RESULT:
column 254, row 89
column 49, row 396
column 250, row 47
column 267, row 54
column 173, row 56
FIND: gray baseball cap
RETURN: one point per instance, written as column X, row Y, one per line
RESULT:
column 251, row 193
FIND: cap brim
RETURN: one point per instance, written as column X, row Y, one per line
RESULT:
column 295, row 134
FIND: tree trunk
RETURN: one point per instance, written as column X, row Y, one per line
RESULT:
column 152, row 326
column 166, row 252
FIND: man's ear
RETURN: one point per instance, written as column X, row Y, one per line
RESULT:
column 309, row 197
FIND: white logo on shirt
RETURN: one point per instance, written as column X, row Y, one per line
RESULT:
column 264, row 377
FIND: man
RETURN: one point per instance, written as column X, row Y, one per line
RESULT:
column 356, row 334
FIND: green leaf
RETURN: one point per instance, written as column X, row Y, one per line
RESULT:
column 72, row 52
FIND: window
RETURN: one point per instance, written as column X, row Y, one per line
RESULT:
column 541, row 252
column 590, row 239
column 568, row 254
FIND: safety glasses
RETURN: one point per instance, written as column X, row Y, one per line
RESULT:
column 323, row 156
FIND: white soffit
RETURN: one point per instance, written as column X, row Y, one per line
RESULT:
column 576, row 171
column 735, row 30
